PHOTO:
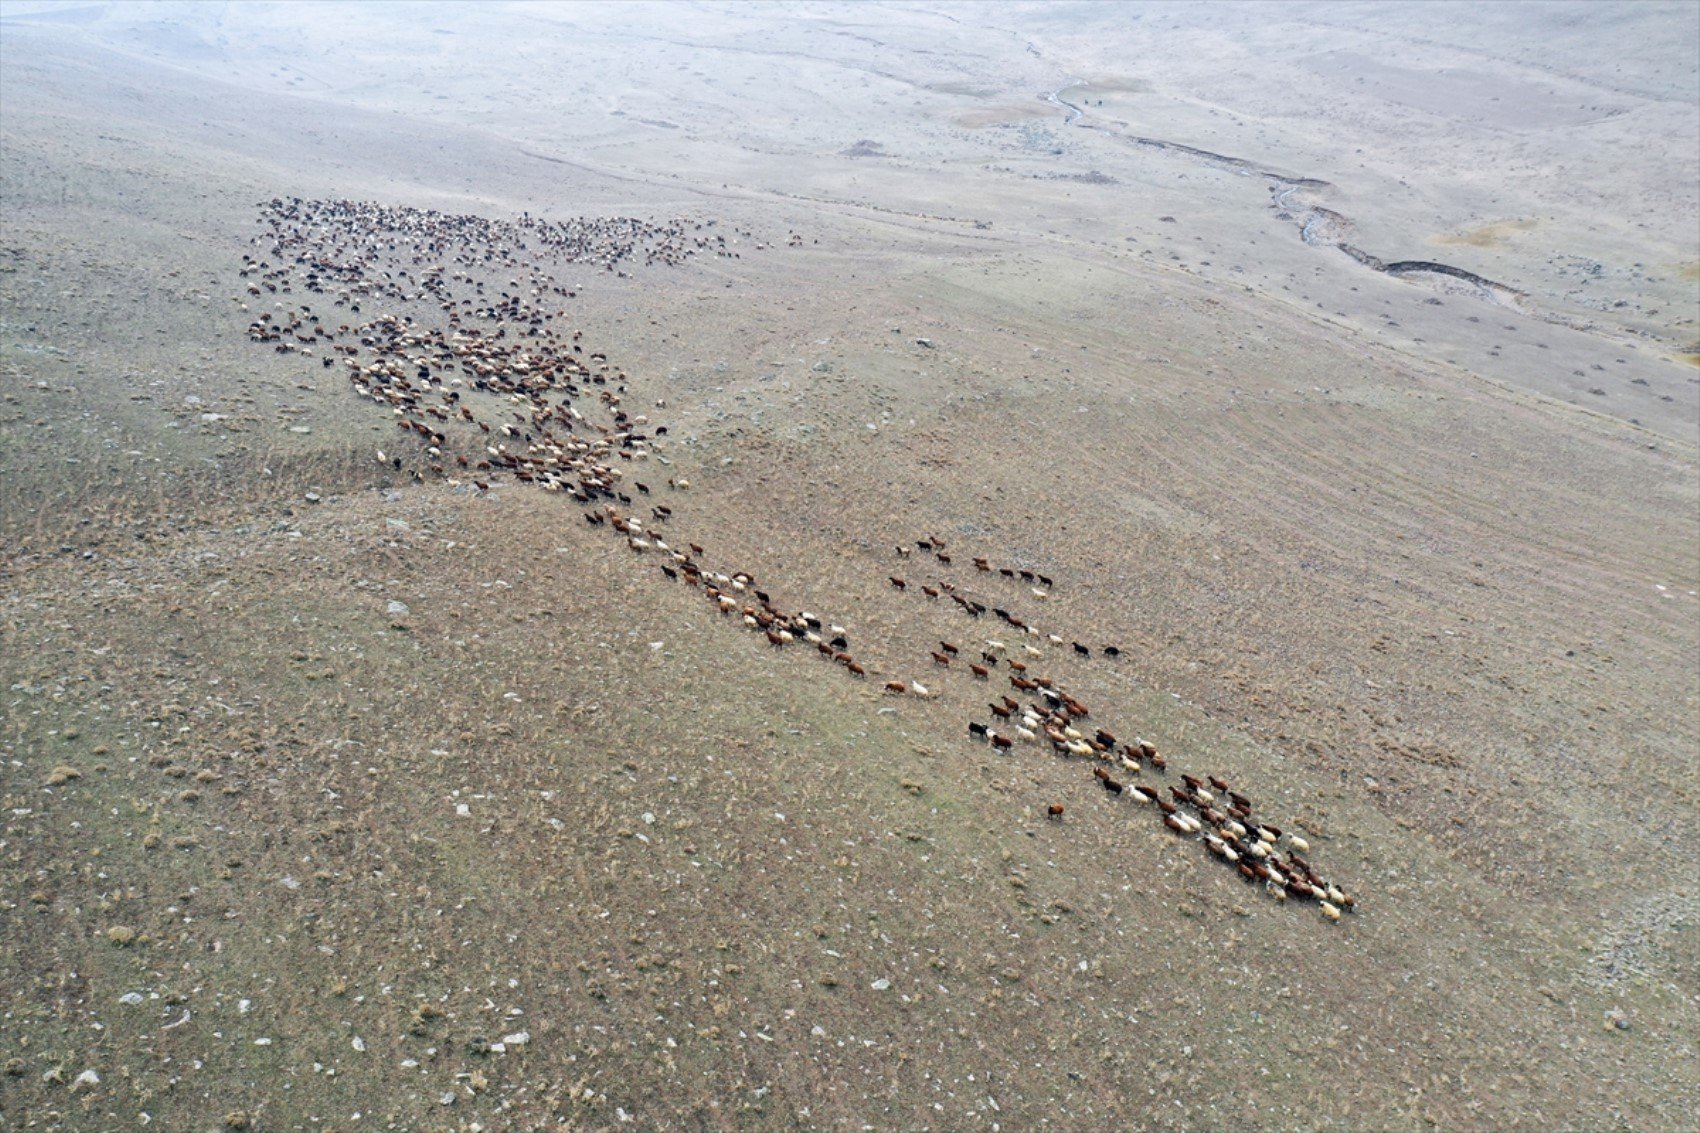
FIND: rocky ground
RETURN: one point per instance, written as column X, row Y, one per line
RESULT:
column 340, row 796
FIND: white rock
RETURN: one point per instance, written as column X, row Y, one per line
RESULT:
column 881, row 984
column 359, row 1043
column 86, row 1078
column 130, row 999
column 518, row 1038
column 396, row 608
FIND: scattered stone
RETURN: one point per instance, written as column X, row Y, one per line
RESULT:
column 1617, row 1020
column 121, row 935
column 397, row 609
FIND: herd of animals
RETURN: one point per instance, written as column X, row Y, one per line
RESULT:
column 487, row 379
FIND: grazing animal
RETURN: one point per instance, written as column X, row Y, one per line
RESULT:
column 1112, row 651
column 896, row 686
column 855, row 669
column 929, row 591
column 948, row 648
column 979, row 670
column 1054, row 811
column 898, row 582
column 975, row 728
column 1002, row 743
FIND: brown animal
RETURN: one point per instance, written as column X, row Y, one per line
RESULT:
column 895, row 686
column 940, row 658
column 898, row 582
column 1054, row 811
column 979, row 670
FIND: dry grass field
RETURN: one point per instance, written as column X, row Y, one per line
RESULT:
column 344, row 794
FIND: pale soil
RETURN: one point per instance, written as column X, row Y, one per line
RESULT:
column 1386, row 565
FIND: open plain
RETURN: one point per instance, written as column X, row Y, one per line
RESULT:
column 1335, row 365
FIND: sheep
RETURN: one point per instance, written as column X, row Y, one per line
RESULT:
column 1329, row 910
column 979, row 670
column 1002, row 743
column 1054, row 811
column 940, row 658
column 898, row 582
column 1081, row 649
column 975, row 728
column 896, row 686
column 918, row 688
